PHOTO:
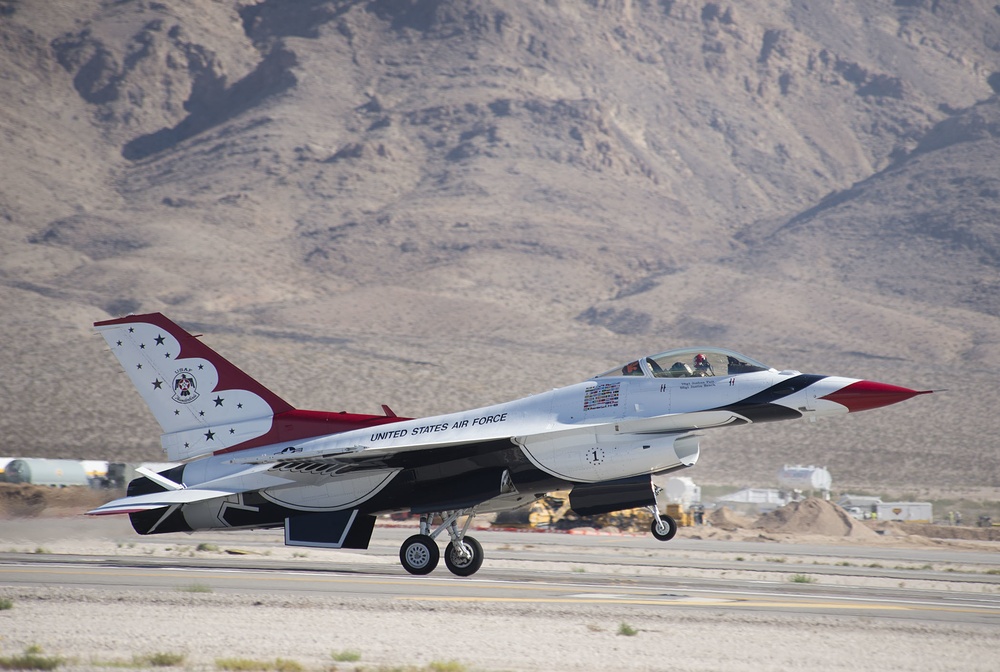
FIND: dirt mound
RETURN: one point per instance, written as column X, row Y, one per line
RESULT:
column 727, row 519
column 21, row 500
column 814, row 516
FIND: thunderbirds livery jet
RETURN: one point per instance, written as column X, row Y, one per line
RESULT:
column 251, row 460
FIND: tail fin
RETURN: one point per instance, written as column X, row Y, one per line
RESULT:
column 203, row 402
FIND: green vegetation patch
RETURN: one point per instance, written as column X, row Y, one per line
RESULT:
column 448, row 666
column 31, row 659
column 346, row 656
column 138, row 662
column 165, row 659
column 249, row 665
column 434, row 666
column 627, row 630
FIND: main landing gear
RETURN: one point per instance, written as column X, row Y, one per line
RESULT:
column 664, row 527
column 464, row 555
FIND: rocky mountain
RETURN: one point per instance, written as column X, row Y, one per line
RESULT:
column 436, row 204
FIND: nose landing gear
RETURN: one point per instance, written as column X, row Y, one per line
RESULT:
column 464, row 556
column 664, row 527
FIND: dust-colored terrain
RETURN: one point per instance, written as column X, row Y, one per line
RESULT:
column 102, row 626
column 438, row 205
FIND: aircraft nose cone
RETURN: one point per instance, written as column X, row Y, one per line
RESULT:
column 866, row 394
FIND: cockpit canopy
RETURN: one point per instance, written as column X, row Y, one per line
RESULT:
column 689, row 363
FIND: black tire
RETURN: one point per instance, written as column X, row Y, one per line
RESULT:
column 460, row 565
column 664, row 535
column 419, row 554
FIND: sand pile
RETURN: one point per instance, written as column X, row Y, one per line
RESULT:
column 814, row 516
column 727, row 519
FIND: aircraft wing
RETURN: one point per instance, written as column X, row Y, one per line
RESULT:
column 321, row 460
column 327, row 461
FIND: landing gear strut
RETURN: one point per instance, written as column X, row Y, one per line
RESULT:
column 464, row 556
column 664, row 527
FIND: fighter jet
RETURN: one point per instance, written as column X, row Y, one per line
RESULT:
column 248, row 459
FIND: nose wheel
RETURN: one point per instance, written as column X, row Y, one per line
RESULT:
column 664, row 527
column 464, row 555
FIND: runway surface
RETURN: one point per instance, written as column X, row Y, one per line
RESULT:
column 877, row 582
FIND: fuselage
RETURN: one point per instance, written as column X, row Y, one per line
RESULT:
column 604, row 429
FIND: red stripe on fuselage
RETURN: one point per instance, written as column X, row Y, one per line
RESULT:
column 296, row 425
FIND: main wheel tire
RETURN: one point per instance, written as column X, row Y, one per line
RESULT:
column 464, row 565
column 419, row 554
column 665, row 532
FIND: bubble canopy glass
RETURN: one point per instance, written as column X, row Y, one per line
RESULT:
column 689, row 363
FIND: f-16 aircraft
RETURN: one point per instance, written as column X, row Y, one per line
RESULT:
column 251, row 460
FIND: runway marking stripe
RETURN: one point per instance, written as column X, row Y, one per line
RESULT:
column 278, row 575
column 611, row 598
column 216, row 574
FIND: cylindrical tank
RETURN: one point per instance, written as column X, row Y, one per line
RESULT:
column 797, row 477
column 95, row 468
column 38, row 471
column 681, row 490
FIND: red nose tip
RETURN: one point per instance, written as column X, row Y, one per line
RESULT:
column 866, row 394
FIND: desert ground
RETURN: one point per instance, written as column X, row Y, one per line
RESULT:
column 182, row 598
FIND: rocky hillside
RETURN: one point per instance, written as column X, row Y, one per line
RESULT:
column 443, row 203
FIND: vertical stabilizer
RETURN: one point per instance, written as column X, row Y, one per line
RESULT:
column 203, row 402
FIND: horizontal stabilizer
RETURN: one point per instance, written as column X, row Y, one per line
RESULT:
column 252, row 478
column 157, row 500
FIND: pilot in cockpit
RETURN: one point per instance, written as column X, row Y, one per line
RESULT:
column 632, row 369
column 702, row 367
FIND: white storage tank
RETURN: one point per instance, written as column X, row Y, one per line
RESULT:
column 39, row 471
column 681, row 490
column 797, row 477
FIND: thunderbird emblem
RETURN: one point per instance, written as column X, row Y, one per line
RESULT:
column 185, row 387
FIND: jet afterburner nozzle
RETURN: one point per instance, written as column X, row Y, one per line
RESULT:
column 866, row 394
